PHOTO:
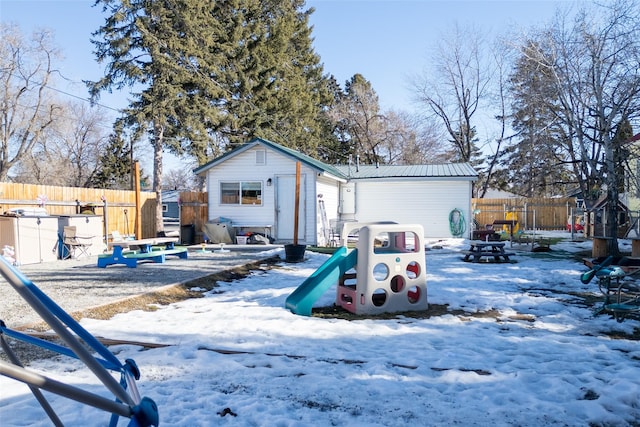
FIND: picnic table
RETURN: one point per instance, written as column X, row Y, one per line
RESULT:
column 490, row 251
column 147, row 249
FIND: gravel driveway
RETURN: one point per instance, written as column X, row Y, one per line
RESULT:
column 76, row 285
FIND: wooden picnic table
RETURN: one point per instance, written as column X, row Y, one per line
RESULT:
column 487, row 250
column 145, row 251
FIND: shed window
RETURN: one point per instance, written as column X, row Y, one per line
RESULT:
column 261, row 157
column 241, row 193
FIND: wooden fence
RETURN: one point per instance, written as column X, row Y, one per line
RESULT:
column 118, row 207
column 539, row 214
column 194, row 213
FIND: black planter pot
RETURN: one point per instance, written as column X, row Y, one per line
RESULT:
column 294, row 253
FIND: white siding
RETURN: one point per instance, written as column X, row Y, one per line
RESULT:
column 424, row 201
column 414, row 202
column 330, row 195
column 243, row 167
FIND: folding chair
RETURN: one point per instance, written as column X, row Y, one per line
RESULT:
column 77, row 246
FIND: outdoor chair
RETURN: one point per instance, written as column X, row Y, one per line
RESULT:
column 77, row 246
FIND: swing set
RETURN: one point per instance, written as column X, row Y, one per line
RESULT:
column 142, row 412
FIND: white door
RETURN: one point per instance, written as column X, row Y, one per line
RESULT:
column 285, row 207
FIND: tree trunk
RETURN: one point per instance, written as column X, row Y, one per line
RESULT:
column 612, row 223
column 157, row 175
column 612, row 200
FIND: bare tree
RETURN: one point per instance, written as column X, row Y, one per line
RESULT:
column 39, row 167
column 594, row 59
column 180, row 179
column 500, row 59
column 82, row 136
column 453, row 89
column 411, row 141
column 69, row 151
column 360, row 122
column 376, row 136
column 27, row 109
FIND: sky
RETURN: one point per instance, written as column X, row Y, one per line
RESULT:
column 387, row 41
column 538, row 356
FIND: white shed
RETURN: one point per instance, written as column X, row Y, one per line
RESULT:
column 412, row 194
column 253, row 186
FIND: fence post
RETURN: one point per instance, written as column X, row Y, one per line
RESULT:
column 105, row 225
column 572, row 222
column 138, row 224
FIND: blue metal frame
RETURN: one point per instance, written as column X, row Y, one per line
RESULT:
column 142, row 412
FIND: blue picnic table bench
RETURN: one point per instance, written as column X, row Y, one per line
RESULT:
column 147, row 249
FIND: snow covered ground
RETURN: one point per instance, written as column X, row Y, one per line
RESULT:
column 538, row 357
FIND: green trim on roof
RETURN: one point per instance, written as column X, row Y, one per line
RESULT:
column 447, row 170
column 290, row 152
column 304, row 158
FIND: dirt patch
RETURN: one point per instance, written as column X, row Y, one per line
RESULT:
column 146, row 302
column 171, row 294
column 337, row 312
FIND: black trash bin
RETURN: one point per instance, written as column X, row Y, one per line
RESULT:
column 188, row 234
column 294, row 253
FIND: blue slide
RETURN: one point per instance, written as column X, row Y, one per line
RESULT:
column 301, row 300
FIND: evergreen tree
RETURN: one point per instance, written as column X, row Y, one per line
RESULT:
column 464, row 145
column 215, row 74
column 115, row 169
column 147, row 46
column 271, row 78
column 531, row 164
column 336, row 147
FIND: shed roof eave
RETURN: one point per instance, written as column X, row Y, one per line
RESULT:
column 416, row 178
column 333, row 177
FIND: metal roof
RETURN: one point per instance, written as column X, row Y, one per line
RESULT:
column 446, row 170
column 343, row 172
